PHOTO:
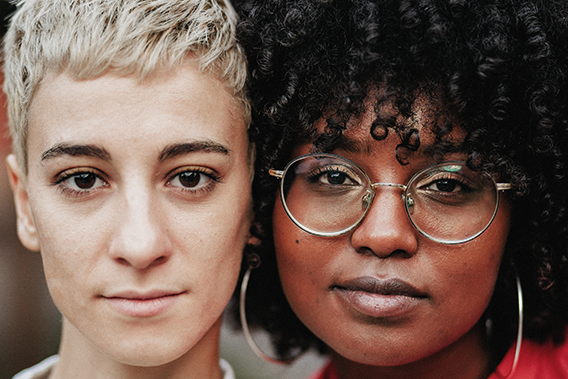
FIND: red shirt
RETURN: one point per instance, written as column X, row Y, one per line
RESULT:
column 536, row 361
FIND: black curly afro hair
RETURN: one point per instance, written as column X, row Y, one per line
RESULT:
column 498, row 67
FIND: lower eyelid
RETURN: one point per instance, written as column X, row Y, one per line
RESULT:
column 66, row 189
column 211, row 182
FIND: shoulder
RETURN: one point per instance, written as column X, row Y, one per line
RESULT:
column 39, row 371
column 536, row 361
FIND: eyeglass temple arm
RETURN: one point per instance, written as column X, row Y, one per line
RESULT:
column 504, row 186
column 276, row 173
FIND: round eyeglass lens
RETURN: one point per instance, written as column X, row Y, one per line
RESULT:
column 324, row 194
column 450, row 203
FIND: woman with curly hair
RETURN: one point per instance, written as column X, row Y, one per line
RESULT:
column 411, row 188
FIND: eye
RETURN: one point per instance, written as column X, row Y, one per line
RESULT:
column 80, row 182
column 194, row 180
column 188, row 179
column 446, row 185
column 334, row 175
column 335, row 178
column 456, row 188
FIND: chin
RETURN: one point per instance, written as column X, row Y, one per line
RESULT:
column 149, row 357
column 375, row 352
column 371, row 358
column 145, row 353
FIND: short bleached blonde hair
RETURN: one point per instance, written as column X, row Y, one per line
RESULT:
column 87, row 38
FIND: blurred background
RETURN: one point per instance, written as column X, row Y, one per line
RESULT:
column 30, row 323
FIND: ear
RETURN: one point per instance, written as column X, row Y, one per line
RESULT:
column 26, row 226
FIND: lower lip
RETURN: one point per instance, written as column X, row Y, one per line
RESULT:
column 143, row 308
column 379, row 306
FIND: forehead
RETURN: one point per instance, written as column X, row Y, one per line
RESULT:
column 159, row 109
column 427, row 124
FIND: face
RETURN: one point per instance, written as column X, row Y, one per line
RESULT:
column 138, row 196
column 383, row 294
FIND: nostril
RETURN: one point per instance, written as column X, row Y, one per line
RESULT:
column 160, row 260
column 122, row 261
column 364, row 250
column 134, row 261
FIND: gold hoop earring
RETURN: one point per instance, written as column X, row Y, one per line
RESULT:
column 519, row 330
column 254, row 262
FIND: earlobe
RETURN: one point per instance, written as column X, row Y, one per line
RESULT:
column 253, row 241
column 26, row 227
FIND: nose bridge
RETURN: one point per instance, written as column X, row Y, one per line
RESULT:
column 389, row 197
column 386, row 227
column 377, row 192
column 140, row 239
column 138, row 212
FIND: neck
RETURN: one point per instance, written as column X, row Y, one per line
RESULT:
column 467, row 358
column 79, row 358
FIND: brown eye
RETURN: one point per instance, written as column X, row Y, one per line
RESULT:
column 336, row 178
column 81, row 182
column 85, row 180
column 445, row 185
column 189, row 179
column 193, row 180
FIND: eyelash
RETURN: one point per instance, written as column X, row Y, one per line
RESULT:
column 317, row 174
column 214, row 179
column 465, row 185
column 73, row 193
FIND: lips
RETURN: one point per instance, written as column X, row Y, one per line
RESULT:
column 149, row 304
column 379, row 298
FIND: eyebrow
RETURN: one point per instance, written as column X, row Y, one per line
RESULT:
column 170, row 151
column 75, row 150
column 178, row 149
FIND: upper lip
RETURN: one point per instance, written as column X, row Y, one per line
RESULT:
column 391, row 286
column 137, row 295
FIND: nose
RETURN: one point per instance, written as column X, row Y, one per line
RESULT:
column 140, row 239
column 386, row 229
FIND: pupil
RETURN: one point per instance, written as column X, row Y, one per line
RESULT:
column 336, row 178
column 85, row 180
column 189, row 179
column 446, row 185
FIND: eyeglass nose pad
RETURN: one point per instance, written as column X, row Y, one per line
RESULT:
column 367, row 198
column 409, row 201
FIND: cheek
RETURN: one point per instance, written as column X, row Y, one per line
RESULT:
column 214, row 248
column 67, row 277
column 465, row 277
column 287, row 245
column 301, row 265
column 67, row 248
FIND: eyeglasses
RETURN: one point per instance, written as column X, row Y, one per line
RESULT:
column 327, row 195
